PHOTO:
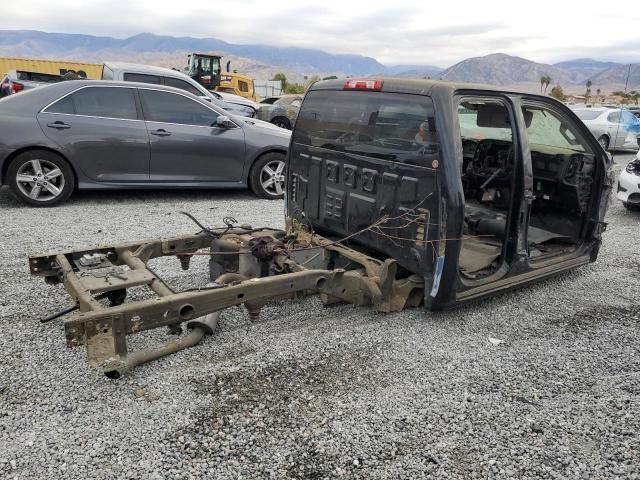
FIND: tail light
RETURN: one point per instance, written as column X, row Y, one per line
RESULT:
column 363, row 85
column 16, row 87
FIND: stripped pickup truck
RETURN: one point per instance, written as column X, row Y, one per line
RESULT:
column 400, row 193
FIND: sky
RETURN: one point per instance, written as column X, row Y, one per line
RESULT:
column 406, row 32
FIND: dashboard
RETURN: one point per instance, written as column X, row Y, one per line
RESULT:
column 561, row 177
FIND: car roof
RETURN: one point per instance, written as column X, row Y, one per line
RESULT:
column 594, row 109
column 118, row 83
column 150, row 69
column 33, row 100
column 422, row 86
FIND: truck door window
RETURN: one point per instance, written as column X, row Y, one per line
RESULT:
column 142, row 78
column 182, row 85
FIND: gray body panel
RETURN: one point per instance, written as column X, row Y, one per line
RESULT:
column 106, row 149
column 206, row 154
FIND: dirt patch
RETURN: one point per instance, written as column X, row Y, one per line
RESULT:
column 595, row 315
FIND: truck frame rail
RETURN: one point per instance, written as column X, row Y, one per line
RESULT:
column 247, row 267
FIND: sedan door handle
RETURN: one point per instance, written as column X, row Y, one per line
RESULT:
column 58, row 125
column 161, row 132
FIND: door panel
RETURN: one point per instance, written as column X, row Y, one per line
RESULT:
column 105, row 149
column 186, row 143
column 188, row 153
column 98, row 130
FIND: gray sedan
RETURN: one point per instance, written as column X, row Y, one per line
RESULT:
column 106, row 135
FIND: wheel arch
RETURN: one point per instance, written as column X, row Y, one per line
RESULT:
column 262, row 153
column 605, row 135
column 20, row 151
column 283, row 117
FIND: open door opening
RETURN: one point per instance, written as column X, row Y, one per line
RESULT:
column 563, row 177
column 488, row 168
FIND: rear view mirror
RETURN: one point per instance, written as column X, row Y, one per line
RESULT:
column 224, row 122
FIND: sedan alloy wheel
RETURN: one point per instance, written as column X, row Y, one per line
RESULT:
column 40, row 180
column 272, row 177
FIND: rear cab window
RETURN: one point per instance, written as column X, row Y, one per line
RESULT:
column 182, row 85
column 387, row 126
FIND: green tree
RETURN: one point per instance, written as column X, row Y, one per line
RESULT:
column 558, row 93
column 294, row 88
column 282, row 78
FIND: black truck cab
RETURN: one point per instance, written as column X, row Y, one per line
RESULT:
column 481, row 189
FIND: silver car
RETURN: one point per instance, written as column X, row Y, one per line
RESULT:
column 106, row 134
column 614, row 128
column 134, row 72
column 282, row 112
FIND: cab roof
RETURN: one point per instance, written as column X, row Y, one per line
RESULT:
column 420, row 86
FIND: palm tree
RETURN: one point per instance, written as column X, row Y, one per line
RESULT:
column 547, row 82
column 543, row 79
column 588, row 92
column 597, row 94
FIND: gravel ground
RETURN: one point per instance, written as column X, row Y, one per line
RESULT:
column 315, row 392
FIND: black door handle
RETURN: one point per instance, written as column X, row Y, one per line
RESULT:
column 58, row 125
column 161, row 132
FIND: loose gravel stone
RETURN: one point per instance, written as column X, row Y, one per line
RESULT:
column 313, row 392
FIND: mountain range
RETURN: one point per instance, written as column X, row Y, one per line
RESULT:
column 262, row 61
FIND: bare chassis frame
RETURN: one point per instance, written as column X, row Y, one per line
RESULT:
column 112, row 269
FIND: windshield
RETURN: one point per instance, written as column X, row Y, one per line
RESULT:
column 390, row 126
column 205, row 70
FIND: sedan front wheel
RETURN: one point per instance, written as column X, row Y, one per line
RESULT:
column 40, row 178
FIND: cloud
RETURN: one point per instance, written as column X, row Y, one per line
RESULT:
column 402, row 31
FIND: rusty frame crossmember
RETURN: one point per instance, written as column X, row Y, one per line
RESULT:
column 247, row 276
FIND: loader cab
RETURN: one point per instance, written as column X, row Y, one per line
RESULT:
column 476, row 190
column 204, row 69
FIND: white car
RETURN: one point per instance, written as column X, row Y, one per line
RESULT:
column 615, row 128
column 629, row 184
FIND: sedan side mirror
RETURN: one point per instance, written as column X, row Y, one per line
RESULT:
column 224, row 122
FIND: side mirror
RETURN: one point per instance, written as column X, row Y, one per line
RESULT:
column 208, row 99
column 224, row 122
